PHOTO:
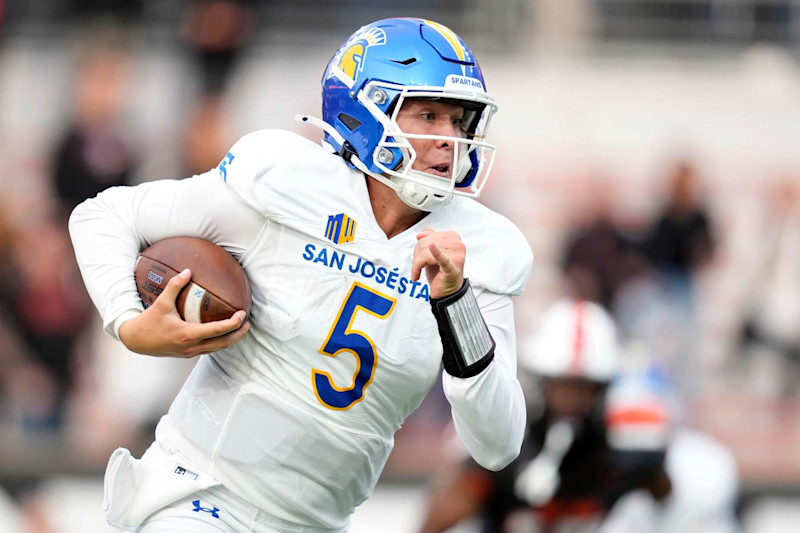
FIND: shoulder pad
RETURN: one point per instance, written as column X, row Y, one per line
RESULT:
column 264, row 165
column 499, row 257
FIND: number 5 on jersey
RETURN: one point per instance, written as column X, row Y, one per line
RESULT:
column 343, row 339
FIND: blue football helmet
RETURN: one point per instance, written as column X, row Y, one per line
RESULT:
column 364, row 87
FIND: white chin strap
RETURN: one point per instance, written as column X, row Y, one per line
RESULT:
column 414, row 195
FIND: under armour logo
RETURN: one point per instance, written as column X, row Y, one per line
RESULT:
column 197, row 509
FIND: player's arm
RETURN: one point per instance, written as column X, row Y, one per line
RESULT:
column 489, row 409
column 479, row 343
column 109, row 231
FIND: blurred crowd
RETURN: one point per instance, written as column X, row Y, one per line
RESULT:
column 47, row 320
column 68, row 395
column 63, row 381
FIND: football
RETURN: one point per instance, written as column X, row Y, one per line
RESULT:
column 218, row 287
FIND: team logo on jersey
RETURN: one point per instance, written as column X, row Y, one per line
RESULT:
column 350, row 57
column 223, row 166
column 340, row 228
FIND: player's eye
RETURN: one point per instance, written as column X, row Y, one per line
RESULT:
column 429, row 117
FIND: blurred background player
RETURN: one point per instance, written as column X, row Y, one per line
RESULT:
column 699, row 482
column 567, row 475
column 594, row 439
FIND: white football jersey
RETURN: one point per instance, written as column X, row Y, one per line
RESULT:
column 299, row 417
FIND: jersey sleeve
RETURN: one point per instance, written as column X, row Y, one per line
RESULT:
column 110, row 230
column 489, row 410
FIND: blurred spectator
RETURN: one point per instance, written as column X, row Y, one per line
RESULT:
column 598, row 257
column 12, row 349
column 6, row 242
column 207, row 136
column 49, row 309
column 217, row 31
column 94, row 152
column 772, row 320
column 681, row 239
column 660, row 309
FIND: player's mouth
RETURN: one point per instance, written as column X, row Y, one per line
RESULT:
column 442, row 170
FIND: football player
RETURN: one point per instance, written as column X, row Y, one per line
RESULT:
column 641, row 418
column 356, row 252
column 569, row 472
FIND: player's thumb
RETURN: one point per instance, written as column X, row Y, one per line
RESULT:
column 174, row 286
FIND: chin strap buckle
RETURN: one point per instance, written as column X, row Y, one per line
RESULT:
column 346, row 151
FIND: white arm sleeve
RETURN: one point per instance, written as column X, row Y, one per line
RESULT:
column 489, row 409
column 110, row 230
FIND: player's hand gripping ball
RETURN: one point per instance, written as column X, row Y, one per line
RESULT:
column 218, row 288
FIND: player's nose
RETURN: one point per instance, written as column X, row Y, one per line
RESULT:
column 447, row 128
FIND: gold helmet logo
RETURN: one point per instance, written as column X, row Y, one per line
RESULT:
column 350, row 58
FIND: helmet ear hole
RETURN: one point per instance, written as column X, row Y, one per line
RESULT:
column 351, row 122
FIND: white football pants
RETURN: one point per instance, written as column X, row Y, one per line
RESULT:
column 162, row 493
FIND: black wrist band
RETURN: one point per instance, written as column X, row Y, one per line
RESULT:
column 468, row 345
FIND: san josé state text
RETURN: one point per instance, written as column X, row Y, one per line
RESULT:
column 366, row 269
